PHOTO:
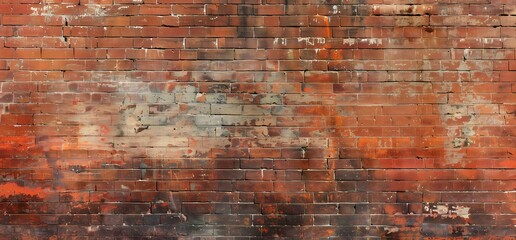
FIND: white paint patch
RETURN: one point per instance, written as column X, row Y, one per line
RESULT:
column 91, row 10
column 447, row 211
column 460, row 131
column 488, row 40
column 46, row 11
column 35, row 11
column 335, row 9
column 311, row 41
column 97, row 10
column 349, row 41
column 391, row 230
column 372, row 41
column 442, row 209
column 463, row 211
column 93, row 228
column 467, row 53
column 280, row 41
column 186, row 89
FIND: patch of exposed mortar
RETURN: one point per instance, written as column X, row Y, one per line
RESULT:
column 139, row 113
column 459, row 123
column 440, row 220
column 95, row 10
column 446, row 210
column 444, row 220
column 391, row 230
column 134, row 115
column 460, row 135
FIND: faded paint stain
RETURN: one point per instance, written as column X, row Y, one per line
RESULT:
column 445, row 220
column 459, row 123
column 446, row 210
column 10, row 189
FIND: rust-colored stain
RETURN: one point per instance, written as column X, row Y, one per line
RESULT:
column 10, row 189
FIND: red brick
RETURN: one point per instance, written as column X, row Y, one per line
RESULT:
column 116, row 21
column 188, row 9
column 293, row 21
column 57, row 53
column 154, row 10
column 247, row 54
column 244, row 115
column 225, row 32
column 313, row 186
column 29, row 42
column 212, row 21
column 115, row 42
column 90, row 53
column 254, row 186
column 289, row 186
column 39, row 31
column 270, row 10
column 146, row 21
column 215, row 9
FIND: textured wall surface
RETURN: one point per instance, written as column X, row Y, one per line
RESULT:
column 252, row 119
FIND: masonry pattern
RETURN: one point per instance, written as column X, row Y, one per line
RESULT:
column 257, row 119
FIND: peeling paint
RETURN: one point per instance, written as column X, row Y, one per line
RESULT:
column 335, row 9
column 11, row 189
column 391, row 230
column 96, row 10
column 372, row 41
column 93, row 228
column 280, row 41
column 460, row 142
column 311, row 41
column 460, row 125
column 349, row 41
column 444, row 220
column 446, row 210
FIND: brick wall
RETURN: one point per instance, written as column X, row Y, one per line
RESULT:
column 257, row 119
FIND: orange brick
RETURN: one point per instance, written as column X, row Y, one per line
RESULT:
column 57, row 53
column 27, row 53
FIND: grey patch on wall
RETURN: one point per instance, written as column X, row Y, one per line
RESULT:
column 445, row 220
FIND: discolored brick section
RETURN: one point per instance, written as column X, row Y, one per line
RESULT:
column 248, row 119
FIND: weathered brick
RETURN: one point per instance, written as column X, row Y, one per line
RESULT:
column 250, row 119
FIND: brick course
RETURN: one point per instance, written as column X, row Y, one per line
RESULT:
column 247, row 119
